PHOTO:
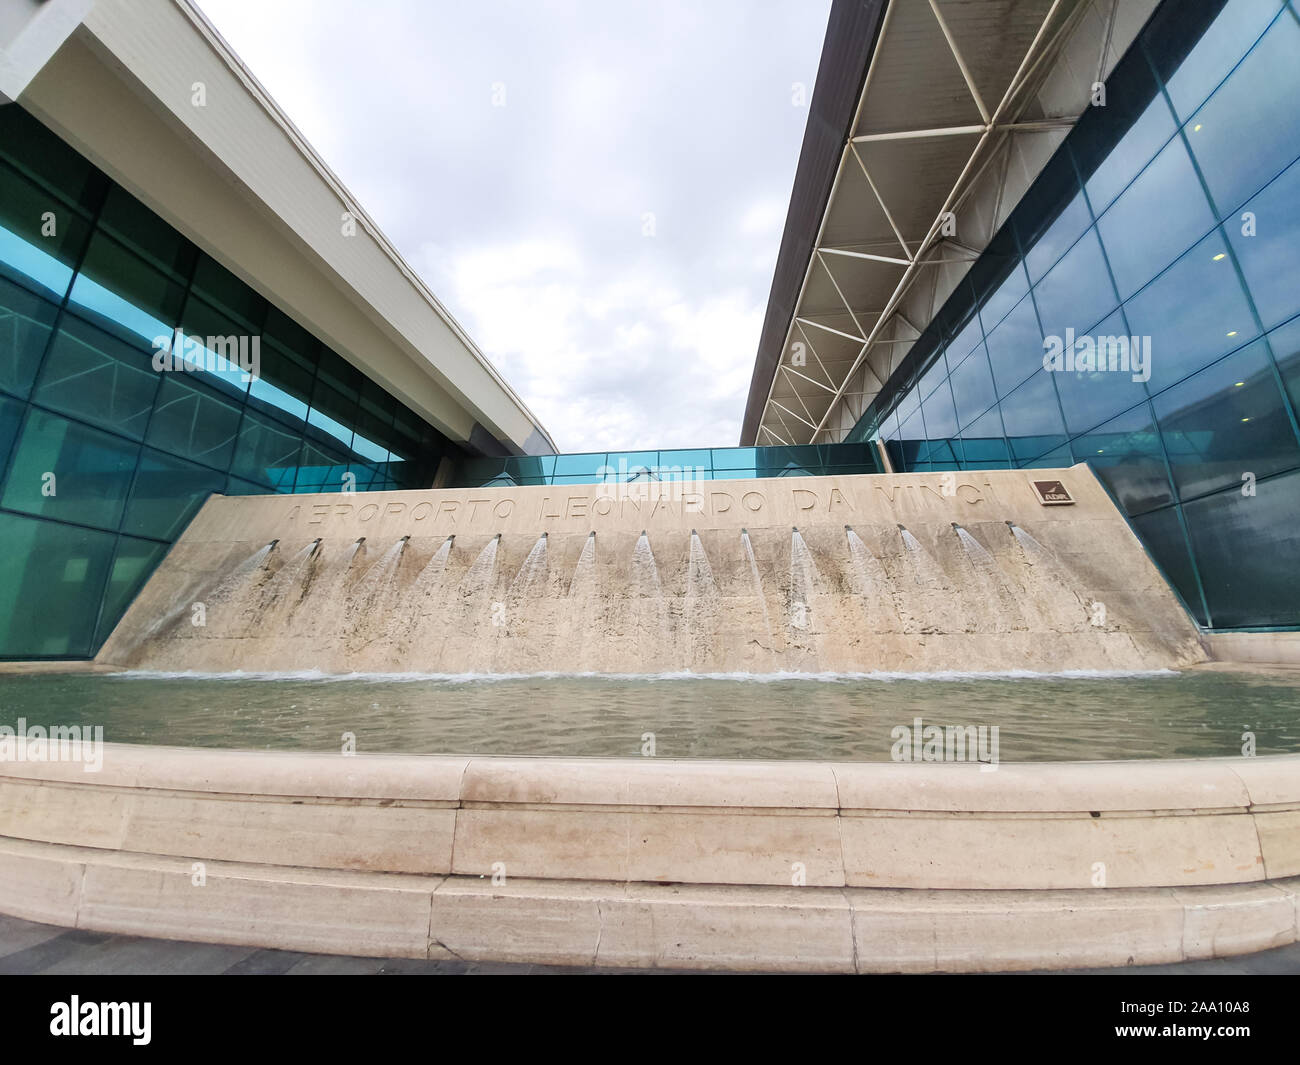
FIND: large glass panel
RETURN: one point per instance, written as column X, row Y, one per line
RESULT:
column 1156, row 218
column 11, row 419
column 166, row 493
column 132, row 564
column 40, row 238
column 1090, row 396
column 1058, row 238
column 1127, row 456
column 983, row 443
column 1266, row 247
column 1227, row 423
column 266, row 452
column 939, row 412
column 1285, row 342
column 1031, row 417
column 1015, row 348
column 1146, row 136
column 126, row 295
column 1249, row 129
column 972, row 386
column 132, row 223
column 51, row 580
column 194, row 421
column 1194, row 312
column 25, row 324
column 1248, row 552
column 1004, row 297
column 95, row 377
column 219, row 287
column 1193, row 57
column 61, row 469
column 218, row 348
column 1076, row 293
column 1162, row 535
column 40, row 155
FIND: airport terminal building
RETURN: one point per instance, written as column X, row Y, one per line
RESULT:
column 149, row 188
column 1023, row 233
column 1035, row 234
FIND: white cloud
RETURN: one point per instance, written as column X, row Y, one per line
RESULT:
column 526, row 220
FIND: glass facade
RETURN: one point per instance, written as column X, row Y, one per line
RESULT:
column 104, row 458
column 703, row 464
column 1158, row 255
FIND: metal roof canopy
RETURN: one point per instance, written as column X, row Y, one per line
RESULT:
column 947, row 85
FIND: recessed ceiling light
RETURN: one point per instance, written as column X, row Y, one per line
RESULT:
column 1221, row 255
column 1245, row 419
column 1196, row 128
column 1239, row 384
column 1233, row 333
column 1101, row 451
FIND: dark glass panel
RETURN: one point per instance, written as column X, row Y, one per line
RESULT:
column 11, row 419
column 91, row 472
column 1089, row 397
column 1076, row 293
column 338, row 373
column 194, row 421
column 25, row 324
column 1162, row 535
column 972, row 386
column 166, row 494
column 30, row 253
column 332, row 415
column 51, row 580
column 95, row 377
column 126, row 295
column 1249, row 129
column 283, row 387
column 1268, row 255
column 1194, row 313
column 1155, row 219
column 1194, row 46
column 940, row 414
column 132, row 223
column 42, row 156
column 1118, row 144
column 983, row 443
column 236, row 300
column 133, row 562
column 1285, row 342
column 1248, row 553
column 1224, row 422
column 266, row 452
column 1004, row 297
column 1015, row 348
column 1031, row 418
column 1127, row 456
column 219, row 347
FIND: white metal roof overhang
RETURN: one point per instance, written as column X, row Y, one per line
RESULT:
column 947, row 87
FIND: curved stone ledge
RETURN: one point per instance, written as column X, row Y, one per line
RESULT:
column 925, row 826
column 635, row 924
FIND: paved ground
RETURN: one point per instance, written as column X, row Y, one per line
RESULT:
column 27, row 948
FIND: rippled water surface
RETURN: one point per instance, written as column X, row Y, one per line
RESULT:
column 1057, row 717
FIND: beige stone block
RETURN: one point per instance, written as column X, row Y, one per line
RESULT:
column 78, row 814
column 1041, row 853
column 1219, row 922
column 527, row 921
column 1270, row 780
column 328, row 835
column 999, row 931
column 1279, row 842
column 382, row 915
column 40, row 883
column 650, row 782
column 1191, row 784
column 732, row 848
column 730, row 928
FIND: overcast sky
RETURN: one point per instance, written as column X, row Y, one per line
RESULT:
column 518, row 152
